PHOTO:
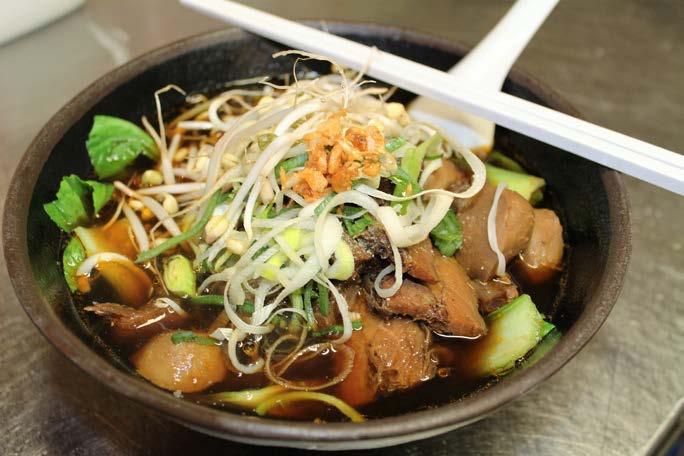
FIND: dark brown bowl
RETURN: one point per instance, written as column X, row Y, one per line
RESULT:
column 591, row 200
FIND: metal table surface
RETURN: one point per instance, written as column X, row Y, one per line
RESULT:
column 621, row 62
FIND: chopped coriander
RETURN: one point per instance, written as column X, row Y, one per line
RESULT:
column 180, row 337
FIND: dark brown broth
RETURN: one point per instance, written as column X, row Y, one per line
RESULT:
column 455, row 385
column 452, row 387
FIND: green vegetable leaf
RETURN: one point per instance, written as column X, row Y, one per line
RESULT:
column 528, row 186
column 356, row 226
column 513, row 330
column 179, row 276
column 113, row 144
column 180, row 337
column 402, row 178
column 498, row 159
column 70, row 209
column 77, row 201
column 102, row 193
column 546, row 327
column 412, row 161
column 392, row 144
column 73, row 256
column 448, row 234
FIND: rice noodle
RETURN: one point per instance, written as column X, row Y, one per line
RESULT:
column 491, row 231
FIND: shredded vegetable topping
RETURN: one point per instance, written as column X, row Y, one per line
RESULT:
column 260, row 184
column 285, row 161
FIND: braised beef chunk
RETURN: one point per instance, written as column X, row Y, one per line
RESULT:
column 418, row 261
column 447, row 305
column 449, row 176
column 514, row 221
column 391, row 354
column 129, row 325
column 371, row 243
column 453, row 290
column 400, row 352
column 412, row 300
column 542, row 257
column 495, row 293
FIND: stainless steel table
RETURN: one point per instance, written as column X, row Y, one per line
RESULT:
column 621, row 62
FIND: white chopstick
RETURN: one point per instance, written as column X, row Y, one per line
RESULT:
column 631, row 156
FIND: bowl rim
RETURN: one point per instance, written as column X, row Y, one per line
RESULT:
column 401, row 428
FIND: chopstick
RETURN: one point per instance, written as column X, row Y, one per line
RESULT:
column 631, row 156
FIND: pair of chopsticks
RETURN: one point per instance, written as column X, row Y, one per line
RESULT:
column 631, row 156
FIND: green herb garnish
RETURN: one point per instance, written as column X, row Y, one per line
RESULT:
column 207, row 300
column 196, row 229
column 182, row 337
column 308, row 306
column 448, row 234
column 356, row 226
column 247, row 307
column 323, row 300
column 336, row 329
